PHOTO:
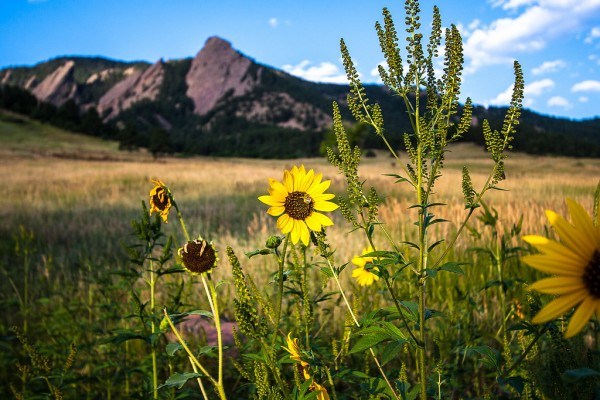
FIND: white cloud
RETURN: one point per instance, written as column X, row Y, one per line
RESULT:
column 511, row 4
column 586, row 86
column 558, row 101
column 537, row 88
column 532, row 90
column 549, row 66
column 324, row 72
column 530, row 30
column 594, row 34
column 274, row 22
column 583, row 99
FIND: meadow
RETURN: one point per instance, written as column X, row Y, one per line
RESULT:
column 67, row 280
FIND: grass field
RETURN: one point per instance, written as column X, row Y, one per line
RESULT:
column 77, row 195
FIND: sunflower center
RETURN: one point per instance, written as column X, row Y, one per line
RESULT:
column 591, row 275
column 299, row 205
column 160, row 199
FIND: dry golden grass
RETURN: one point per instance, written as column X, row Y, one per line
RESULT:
column 66, row 200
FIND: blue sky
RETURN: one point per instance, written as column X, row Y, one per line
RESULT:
column 556, row 41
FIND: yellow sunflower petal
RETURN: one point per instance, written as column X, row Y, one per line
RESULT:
column 583, row 222
column 320, row 188
column 288, row 181
column 295, row 231
column 323, row 197
column 325, row 206
column 553, row 248
column 554, row 265
column 270, row 201
column 360, row 261
column 562, row 285
column 304, row 233
column 277, row 190
column 306, row 181
column 581, row 317
column 559, row 306
column 573, row 238
column 323, row 219
column 276, row 210
column 313, row 223
column 315, row 182
column 285, row 223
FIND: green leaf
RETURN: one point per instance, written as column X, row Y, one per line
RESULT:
column 453, row 267
column 516, row 382
column 173, row 348
column 391, row 351
column 366, row 342
column 261, row 252
column 580, row 373
column 124, row 336
column 179, row 379
column 327, row 272
column 490, row 358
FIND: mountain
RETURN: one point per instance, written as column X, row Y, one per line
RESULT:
column 222, row 102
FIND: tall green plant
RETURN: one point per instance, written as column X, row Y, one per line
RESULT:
column 432, row 106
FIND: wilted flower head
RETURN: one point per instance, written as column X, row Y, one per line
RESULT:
column 198, row 256
column 297, row 201
column 363, row 276
column 160, row 199
column 575, row 261
column 294, row 349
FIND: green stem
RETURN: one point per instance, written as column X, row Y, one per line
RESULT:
column 183, row 344
column 199, row 380
column 212, row 293
column 273, row 366
column 337, row 281
column 152, row 284
column 281, row 263
column 396, row 302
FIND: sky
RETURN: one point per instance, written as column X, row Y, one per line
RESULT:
column 556, row 41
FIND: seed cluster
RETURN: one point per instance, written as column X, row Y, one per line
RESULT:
column 591, row 275
column 299, row 205
column 198, row 256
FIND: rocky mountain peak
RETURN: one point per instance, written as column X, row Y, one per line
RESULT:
column 59, row 86
column 216, row 71
column 138, row 85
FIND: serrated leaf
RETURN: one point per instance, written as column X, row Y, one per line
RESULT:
column 453, row 267
column 179, row 379
column 327, row 272
column 391, row 351
column 366, row 342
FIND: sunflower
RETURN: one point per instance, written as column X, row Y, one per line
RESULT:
column 363, row 276
column 160, row 199
column 294, row 349
column 576, row 263
column 296, row 202
column 198, row 256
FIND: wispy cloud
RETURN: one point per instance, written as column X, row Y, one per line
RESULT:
column 594, row 34
column 586, row 86
column 324, row 72
column 529, row 30
column 549, row 67
column 559, row 101
column 532, row 91
column 274, row 22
